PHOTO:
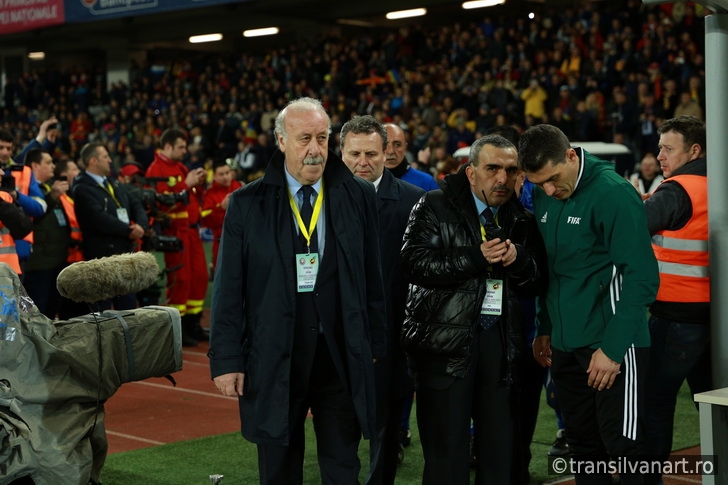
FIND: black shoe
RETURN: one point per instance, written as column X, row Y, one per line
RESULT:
column 560, row 446
column 194, row 328
column 400, row 454
column 405, row 437
column 188, row 341
column 200, row 334
column 188, row 331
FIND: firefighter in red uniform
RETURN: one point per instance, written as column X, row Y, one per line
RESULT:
column 187, row 283
column 215, row 202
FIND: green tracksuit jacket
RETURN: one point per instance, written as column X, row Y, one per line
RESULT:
column 602, row 270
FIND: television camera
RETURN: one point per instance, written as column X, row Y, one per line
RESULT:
column 155, row 205
column 7, row 183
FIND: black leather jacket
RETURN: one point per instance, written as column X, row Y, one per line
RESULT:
column 441, row 257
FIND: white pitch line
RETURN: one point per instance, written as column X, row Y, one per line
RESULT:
column 135, row 438
column 189, row 362
column 180, row 389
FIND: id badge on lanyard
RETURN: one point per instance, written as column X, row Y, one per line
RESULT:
column 307, row 266
column 493, row 301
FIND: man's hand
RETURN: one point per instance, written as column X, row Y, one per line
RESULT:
column 230, row 384
column 44, row 127
column 195, row 177
column 423, row 156
column 542, row 350
column 602, row 371
column 497, row 251
column 137, row 232
column 59, row 188
column 225, row 201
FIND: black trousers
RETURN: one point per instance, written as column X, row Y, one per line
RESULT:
column 384, row 444
column 445, row 406
column 335, row 424
column 603, row 423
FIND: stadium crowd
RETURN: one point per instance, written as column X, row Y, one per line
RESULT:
column 609, row 74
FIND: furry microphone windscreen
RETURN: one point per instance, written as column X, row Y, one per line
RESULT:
column 100, row 279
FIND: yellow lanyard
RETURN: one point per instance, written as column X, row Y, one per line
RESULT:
column 307, row 232
column 110, row 189
column 482, row 228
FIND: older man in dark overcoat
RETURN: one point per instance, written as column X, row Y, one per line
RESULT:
column 298, row 313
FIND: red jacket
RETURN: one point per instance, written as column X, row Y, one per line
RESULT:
column 212, row 214
column 174, row 174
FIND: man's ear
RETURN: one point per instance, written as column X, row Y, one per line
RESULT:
column 470, row 173
column 696, row 151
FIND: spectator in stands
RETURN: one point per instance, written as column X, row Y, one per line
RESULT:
column 688, row 106
column 534, row 98
column 648, row 177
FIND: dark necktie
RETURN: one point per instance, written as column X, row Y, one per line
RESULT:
column 488, row 321
column 306, row 214
column 487, row 217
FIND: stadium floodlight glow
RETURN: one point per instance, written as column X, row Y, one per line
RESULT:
column 199, row 39
column 482, row 3
column 403, row 14
column 36, row 56
column 260, row 32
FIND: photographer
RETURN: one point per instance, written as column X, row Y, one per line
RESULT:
column 111, row 219
column 19, row 181
column 14, row 224
column 52, row 236
column 187, row 286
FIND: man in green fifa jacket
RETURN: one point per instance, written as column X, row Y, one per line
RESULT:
column 592, row 323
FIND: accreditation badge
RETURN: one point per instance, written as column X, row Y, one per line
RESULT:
column 307, row 266
column 493, row 301
column 61, row 217
column 122, row 215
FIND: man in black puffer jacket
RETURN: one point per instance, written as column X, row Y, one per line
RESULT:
column 469, row 251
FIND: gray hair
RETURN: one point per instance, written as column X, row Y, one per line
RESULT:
column 495, row 140
column 300, row 104
column 366, row 125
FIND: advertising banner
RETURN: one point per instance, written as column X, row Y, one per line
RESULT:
column 21, row 15
column 91, row 10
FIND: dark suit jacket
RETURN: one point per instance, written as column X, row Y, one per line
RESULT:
column 253, row 303
column 395, row 199
column 103, row 233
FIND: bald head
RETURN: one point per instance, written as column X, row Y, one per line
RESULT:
column 396, row 146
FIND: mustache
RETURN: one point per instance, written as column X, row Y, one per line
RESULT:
column 313, row 160
column 500, row 187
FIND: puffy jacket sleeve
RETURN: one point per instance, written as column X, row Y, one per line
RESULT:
column 528, row 273
column 428, row 258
